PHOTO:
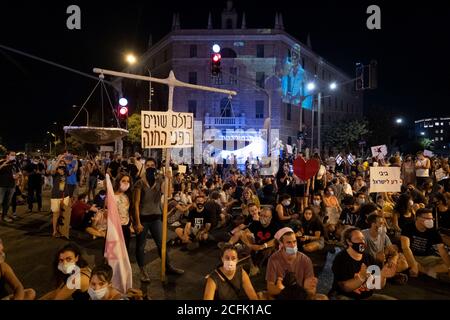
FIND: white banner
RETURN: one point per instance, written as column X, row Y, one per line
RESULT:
column 385, row 179
column 379, row 151
column 167, row 129
column 289, row 149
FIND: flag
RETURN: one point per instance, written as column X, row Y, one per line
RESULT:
column 115, row 249
column 350, row 159
column 339, row 159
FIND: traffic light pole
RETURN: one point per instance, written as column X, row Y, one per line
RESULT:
column 172, row 82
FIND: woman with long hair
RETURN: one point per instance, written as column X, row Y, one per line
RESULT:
column 122, row 194
column 312, row 236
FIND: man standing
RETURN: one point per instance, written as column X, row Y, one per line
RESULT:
column 423, row 166
column 72, row 168
column 35, row 171
column 8, row 170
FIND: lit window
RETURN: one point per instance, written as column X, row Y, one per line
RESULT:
column 442, row 123
column 436, row 123
column 425, row 126
column 436, row 139
column 442, row 131
column 437, row 131
column 442, row 138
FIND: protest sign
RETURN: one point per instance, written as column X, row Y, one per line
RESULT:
column 428, row 153
column 181, row 168
column 385, row 179
column 167, row 129
column 379, row 151
column 289, row 149
column 440, row 174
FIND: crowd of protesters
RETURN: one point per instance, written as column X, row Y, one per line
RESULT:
column 271, row 223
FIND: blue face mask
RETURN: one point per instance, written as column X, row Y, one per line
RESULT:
column 291, row 251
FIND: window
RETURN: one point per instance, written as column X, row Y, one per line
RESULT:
column 315, row 118
column 342, row 105
column 348, row 109
column 229, row 24
column 260, row 79
column 329, row 102
column 192, row 77
column 260, row 51
column 288, row 111
column 335, row 103
column 436, row 138
column 192, row 51
column 437, row 131
column 233, row 75
column 192, row 107
column 442, row 123
column 436, row 124
column 259, row 109
column 442, row 138
column 217, row 80
column 442, row 131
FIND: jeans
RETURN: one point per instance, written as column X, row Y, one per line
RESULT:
column 155, row 228
column 6, row 195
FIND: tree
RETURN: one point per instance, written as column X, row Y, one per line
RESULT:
column 134, row 128
column 426, row 143
column 345, row 135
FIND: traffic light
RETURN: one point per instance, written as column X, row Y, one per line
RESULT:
column 122, row 112
column 215, row 63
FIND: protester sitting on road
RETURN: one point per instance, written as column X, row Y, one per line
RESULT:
column 379, row 246
column 100, row 198
column 100, row 286
column 285, row 214
column 248, row 197
column 287, row 267
column 442, row 217
column 312, row 231
column 82, row 213
column 403, row 212
column 9, row 278
column 229, row 281
column 418, row 241
column 350, row 270
column 332, row 206
column 68, row 265
column 318, row 206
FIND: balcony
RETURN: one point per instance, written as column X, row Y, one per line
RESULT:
column 224, row 121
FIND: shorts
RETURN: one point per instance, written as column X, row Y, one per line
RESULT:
column 429, row 262
column 71, row 189
column 55, row 204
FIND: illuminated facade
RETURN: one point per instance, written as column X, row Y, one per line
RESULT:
column 258, row 64
column 435, row 129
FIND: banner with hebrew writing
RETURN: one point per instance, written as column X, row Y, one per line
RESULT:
column 385, row 179
column 167, row 129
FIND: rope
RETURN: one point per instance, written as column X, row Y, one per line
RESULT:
column 81, row 108
column 111, row 105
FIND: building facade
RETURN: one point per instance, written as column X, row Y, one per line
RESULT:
column 435, row 129
column 267, row 67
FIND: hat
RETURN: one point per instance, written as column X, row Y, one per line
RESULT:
column 281, row 232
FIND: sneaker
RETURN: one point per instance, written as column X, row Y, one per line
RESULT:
column 144, row 276
column 7, row 219
column 176, row 224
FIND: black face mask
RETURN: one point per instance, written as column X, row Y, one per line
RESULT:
column 200, row 206
column 150, row 175
column 359, row 247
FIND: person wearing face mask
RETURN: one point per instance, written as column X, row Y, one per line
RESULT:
column 379, row 246
column 285, row 214
column 350, row 270
column 122, row 194
column 318, row 206
column 423, row 165
column 148, row 216
column 408, row 171
column 100, row 198
column 59, row 203
column 9, row 279
column 69, row 262
column 288, row 261
column 100, row 286
column 418, row 242
column 229, row 281
column 312, row 231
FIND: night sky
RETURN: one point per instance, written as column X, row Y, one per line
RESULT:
column 412, row 51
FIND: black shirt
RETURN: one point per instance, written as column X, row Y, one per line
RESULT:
column 310, row 227
column 114, row 166
column 34, row 173
column 199, row 219
column 421, row 243
column 214, row 210
column 345, row 268
column 6, row 175
column 443, row 219
column 350, row 218
column 264, row 234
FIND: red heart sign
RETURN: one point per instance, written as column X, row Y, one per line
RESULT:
column 306, row 169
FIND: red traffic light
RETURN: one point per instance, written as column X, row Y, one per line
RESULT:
column 217, row 57
column 123, row 111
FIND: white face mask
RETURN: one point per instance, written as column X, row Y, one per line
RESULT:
column 67, row 268
column 97, row 294
column 177, row 198
column 229, row 265
column 316, row 203
column 124, row 187
column 382, row 230
column 361, row 201
column 411, row 203
column 286, row 203
column 331, row 193
column 428, row 224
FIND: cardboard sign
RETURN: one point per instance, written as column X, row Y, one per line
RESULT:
column 306, row 169
column 428, row 153
column 385, row 179
column 379, row 152
column 167, row 129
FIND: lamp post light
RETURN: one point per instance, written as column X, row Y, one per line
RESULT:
column 50, row 144
column 87, row 113
column 399, row 121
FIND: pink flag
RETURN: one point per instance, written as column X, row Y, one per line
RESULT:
column 115, row 249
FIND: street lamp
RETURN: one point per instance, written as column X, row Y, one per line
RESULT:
column 54, row 136
column 131, row 59
column 333, row 86
column 87, row 113
column 399, row 121
column 422, row 133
